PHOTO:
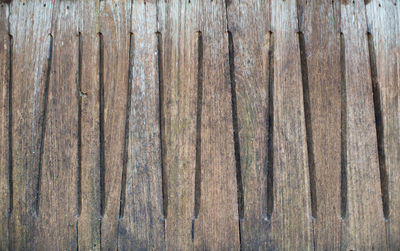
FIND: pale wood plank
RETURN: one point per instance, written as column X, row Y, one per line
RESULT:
column 5, row 43
column 180, row 45
column 248, row 22
column 291, row 219
column 142, row 224
column 89, row 207
column 115, row 25
column 383, row 23
column 320, row 23
column 364, row 225
column 216, row 226
column 30, row 27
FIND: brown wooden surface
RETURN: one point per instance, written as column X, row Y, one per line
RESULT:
column 199, row 125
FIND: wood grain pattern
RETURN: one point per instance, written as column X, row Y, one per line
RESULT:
column 216, row 226
column 56, row 223
column 115, row 25
column 319, row 23
column 142, row 224
column 251, row 74
column 363, row 183
column 180, row 85
column 5, row 54
column 383, row 49
column 291, row 219
column 89, row 190
column 30, row 26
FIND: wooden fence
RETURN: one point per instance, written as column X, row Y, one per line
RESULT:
column 199, row 124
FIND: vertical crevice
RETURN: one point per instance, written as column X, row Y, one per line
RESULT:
column 10, row 153
column 79, row 98
column 379, row 126
column 197, row 182
column 239, row 181
column 343, row 131
column 101, row 124
column 126, row 134
column 270, row 164
column 308, row 123
column 43, row 123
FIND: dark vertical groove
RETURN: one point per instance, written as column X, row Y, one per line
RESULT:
column 379, row 127
column 197, row 178
column 343, row 131
column 101, row 123
column 164, row 176
column 43, row 124
column 10, row 155
column 126, row 134
column 270, row 165
column 307, row 115
column 78, row 95
column 239, row 182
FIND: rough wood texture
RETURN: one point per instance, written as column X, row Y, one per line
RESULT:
column 56, row 222
column 364, row 224
column 383, row 44
column 115, row 25
column 142, row 223
column 320, row 50
column 5, row 44
column 291, row 219
column 251, row 56
column 30, row 26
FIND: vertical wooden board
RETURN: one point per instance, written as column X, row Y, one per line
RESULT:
column 179, row 87
column 217, row 224
column 291, row 220
column 142, row 224
column 89, row 192
column 115, row 23
column 383, row 21
column 56, row 224
column 5, row 43
column 248, row 22
column 30, row 26
column 364, row 225
column 320, row 54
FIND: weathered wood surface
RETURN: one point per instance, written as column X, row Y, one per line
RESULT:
column 182, row 125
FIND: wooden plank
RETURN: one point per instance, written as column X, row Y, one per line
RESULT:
column 5, row 54
column 30, row 27
column 56, row 224
column 216, row 226
column 89, row 192
column 364, row 225
column 320, row 44
column 180, row 45
column 248, row 22
column 383, row 23
column 115, row 25
column 291, row 219
column 142, row 224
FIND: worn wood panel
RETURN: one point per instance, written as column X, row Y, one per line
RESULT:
column 142, row 224
column 5, row 50
column 364, row 225
column 291, row 219
column 89, row 190
column 248, row 22
column 115, row 25
column 216, row 226
column 180, row 61
column 319, row 23
column 383, row 24
column 56, row 223
column 30, row 26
